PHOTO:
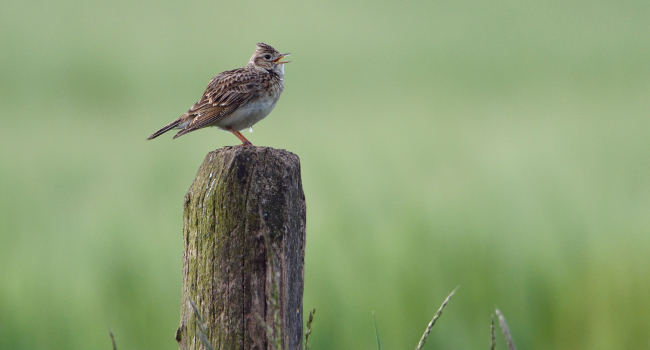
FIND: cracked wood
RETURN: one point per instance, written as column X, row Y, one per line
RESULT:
column 243, row 233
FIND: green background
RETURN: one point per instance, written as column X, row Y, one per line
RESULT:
column 501, row 146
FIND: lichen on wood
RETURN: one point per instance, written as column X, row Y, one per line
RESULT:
column 244, row 232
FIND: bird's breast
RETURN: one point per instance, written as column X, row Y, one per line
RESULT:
column 252, row 112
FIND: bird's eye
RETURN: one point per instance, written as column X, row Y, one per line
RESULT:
column 267, row 56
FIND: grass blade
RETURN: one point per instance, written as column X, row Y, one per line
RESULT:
column 434, row 319
column 374, row 320
column 505, row 330
column 308, row 331
column 493, row 342
column 201, row 328
column 110, row 333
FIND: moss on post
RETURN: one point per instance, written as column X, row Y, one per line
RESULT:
column 244, row 236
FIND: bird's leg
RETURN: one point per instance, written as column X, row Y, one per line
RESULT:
column 241, row 137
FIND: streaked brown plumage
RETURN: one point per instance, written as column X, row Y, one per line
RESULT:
column 238, row 98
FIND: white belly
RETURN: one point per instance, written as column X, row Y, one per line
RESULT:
column 249, row 114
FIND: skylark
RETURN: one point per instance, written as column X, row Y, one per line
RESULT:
column 236, row 99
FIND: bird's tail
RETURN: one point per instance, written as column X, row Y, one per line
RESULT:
column 165, row 129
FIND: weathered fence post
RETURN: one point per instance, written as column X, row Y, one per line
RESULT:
column 243, row 261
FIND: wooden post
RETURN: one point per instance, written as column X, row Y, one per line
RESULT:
column 243, row 261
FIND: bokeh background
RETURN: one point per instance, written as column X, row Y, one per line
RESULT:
column 501, row 146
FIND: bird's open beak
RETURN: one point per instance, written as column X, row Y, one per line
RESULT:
column 282, row 55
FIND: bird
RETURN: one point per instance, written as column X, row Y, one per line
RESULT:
column 236, row 99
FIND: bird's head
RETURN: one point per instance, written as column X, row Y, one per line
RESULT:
column 266, row 57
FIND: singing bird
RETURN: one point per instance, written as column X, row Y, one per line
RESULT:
column 236, row 99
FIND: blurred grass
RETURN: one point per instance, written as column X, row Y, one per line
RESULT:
column 501, row 146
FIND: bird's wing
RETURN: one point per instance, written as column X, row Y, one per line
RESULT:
column 225, row 93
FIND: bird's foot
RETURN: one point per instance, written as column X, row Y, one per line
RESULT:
column 241, row 138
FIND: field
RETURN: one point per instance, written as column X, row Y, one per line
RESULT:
column 500, row 146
